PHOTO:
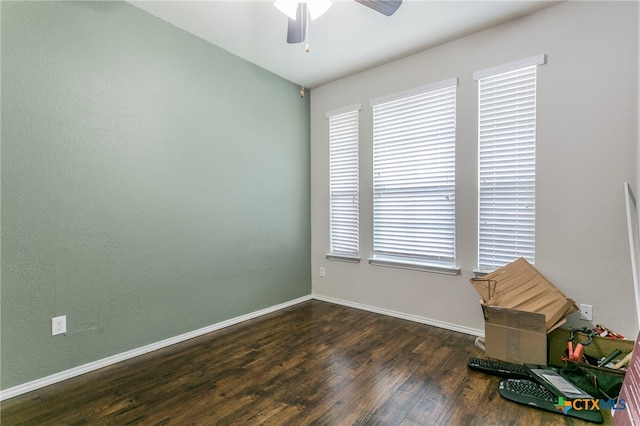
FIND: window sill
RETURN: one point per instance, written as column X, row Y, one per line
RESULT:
column 343, row 258
column 414, row 265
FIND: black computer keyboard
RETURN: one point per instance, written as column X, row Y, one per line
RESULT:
column 533, row 394
column 498, row 368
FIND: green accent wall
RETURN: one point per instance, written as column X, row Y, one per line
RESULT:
column 152, row 184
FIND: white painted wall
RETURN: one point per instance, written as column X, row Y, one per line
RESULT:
column 586, row 149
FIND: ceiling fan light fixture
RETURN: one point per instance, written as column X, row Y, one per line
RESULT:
column 290, row 7
column 318, row 7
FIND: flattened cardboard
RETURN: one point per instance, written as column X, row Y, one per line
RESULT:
column 630, row 392
column 515, row 336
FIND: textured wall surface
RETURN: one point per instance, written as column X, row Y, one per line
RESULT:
column 587, row 100
column 152, row 184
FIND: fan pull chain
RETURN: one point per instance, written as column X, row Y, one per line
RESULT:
column 301, row 73
column 307, row 48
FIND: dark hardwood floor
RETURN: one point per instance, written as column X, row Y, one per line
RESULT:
column 313, row 363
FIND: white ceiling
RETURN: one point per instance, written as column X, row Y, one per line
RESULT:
column 347, row 39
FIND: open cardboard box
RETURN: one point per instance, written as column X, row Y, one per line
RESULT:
column 520, row 307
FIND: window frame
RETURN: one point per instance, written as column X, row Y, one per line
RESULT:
column 422, row 100
column 506, row 203
column 343, row 179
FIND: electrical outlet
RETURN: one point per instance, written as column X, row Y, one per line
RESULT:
column 322, row 271
column 58, row 325
column 586, row 312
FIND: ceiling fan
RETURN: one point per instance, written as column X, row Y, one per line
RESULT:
column 299, row 13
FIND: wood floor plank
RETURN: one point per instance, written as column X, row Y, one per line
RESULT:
column 315, row 363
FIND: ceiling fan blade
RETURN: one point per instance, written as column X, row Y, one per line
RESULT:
column 386, row 7
column 297, row 28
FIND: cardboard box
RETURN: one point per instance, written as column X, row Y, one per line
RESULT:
column 515, row 336
column 599, row 347
column 520, row 307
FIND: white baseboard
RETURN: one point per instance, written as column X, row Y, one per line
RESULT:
column 92, row 366
column 105, row 362
column 401, row 315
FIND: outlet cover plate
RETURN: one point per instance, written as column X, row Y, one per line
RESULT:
column 586, row 312
column 58, row 325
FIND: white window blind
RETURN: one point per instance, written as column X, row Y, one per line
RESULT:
column 507, row 146
column 343, row 182
column 414, row 176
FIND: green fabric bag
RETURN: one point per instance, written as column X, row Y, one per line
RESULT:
column 600, row 382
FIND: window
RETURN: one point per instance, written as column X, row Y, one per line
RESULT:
column 343, row 183
column 506, row 169
column 414, row 178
